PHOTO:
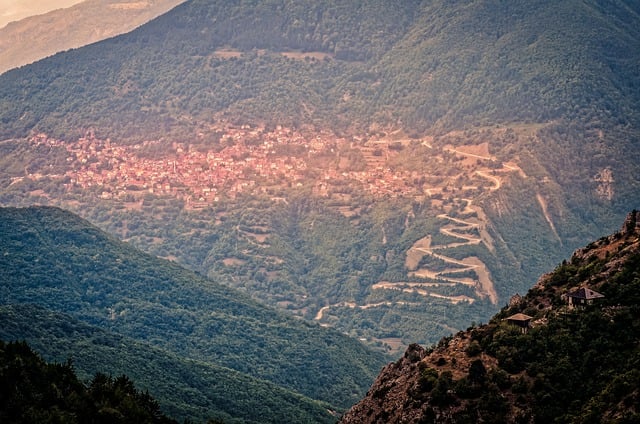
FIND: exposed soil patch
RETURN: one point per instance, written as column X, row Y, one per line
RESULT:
column 307, row 55
column 233, row 262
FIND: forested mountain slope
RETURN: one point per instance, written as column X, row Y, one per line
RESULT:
column 56, row 260
column 185, row 389
column 565, row 352
column 405, row 167
column 413, row 66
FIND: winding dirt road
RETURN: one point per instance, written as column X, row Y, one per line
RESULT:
column 469, row 271
column 457, row 228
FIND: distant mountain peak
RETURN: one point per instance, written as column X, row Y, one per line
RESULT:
column 36, row 37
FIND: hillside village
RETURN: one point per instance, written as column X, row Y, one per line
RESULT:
column 256, row 161
column 248, row 160
column 447, row 173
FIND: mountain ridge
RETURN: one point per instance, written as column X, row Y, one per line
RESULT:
column 36, row 391
column 36, row 37
column 57, row 260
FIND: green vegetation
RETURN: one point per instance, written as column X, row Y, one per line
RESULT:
column 566, row 352
column 408, row 65
column 54, row 259
column 595, row 349
column 575, row 364
column 34, row 391
column 311, row 256
column 551, row 86
column 185, row 389
column 182, row 46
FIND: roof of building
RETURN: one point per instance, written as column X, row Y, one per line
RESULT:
column 585, row 293
column 519, row 317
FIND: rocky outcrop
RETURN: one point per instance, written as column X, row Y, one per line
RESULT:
column 385, row 400
column 500, row 372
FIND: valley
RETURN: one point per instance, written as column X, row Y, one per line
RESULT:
column 233, row 164
column 251, row 207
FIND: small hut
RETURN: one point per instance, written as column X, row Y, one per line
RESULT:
column 582, row 297
column 521, row 320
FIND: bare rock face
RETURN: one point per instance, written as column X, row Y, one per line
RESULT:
column 386, row 399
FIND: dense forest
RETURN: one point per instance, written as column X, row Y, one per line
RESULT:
column 536, row 61
column 197, row 391
column 34, row 391
column 56, row 260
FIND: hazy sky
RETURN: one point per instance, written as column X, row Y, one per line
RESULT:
column 13, row 10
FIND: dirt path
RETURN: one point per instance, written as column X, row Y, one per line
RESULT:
column 462, row 230
column 482, row 152
column 545, row 212
column 458, row 228
column 409, row 287
column 353, row 305
column 496, row 180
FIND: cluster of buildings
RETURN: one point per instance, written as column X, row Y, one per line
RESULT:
column 243, row 159
column 578, row 298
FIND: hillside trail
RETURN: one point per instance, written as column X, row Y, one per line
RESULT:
column 468, row 232
column 354, row 305
column 457, row 270
column 470, row 271
column 423, row 247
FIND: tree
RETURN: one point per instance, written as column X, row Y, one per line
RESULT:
column 477, row 372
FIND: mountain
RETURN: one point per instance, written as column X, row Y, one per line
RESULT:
column 56, row 260
column 567, row 351
column 15, row 10
column 394, row 171
column 36, row 391
column 481, row 63
column 184, row 389
column 35, row 37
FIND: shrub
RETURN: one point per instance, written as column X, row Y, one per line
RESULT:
column 474, row 349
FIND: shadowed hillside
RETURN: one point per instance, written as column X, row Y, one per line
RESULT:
column 36, row 391
column 58, row 261
column 185, row 389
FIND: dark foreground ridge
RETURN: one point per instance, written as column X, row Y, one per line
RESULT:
column 565, row 352
column 119, row 299
column 35, row 391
